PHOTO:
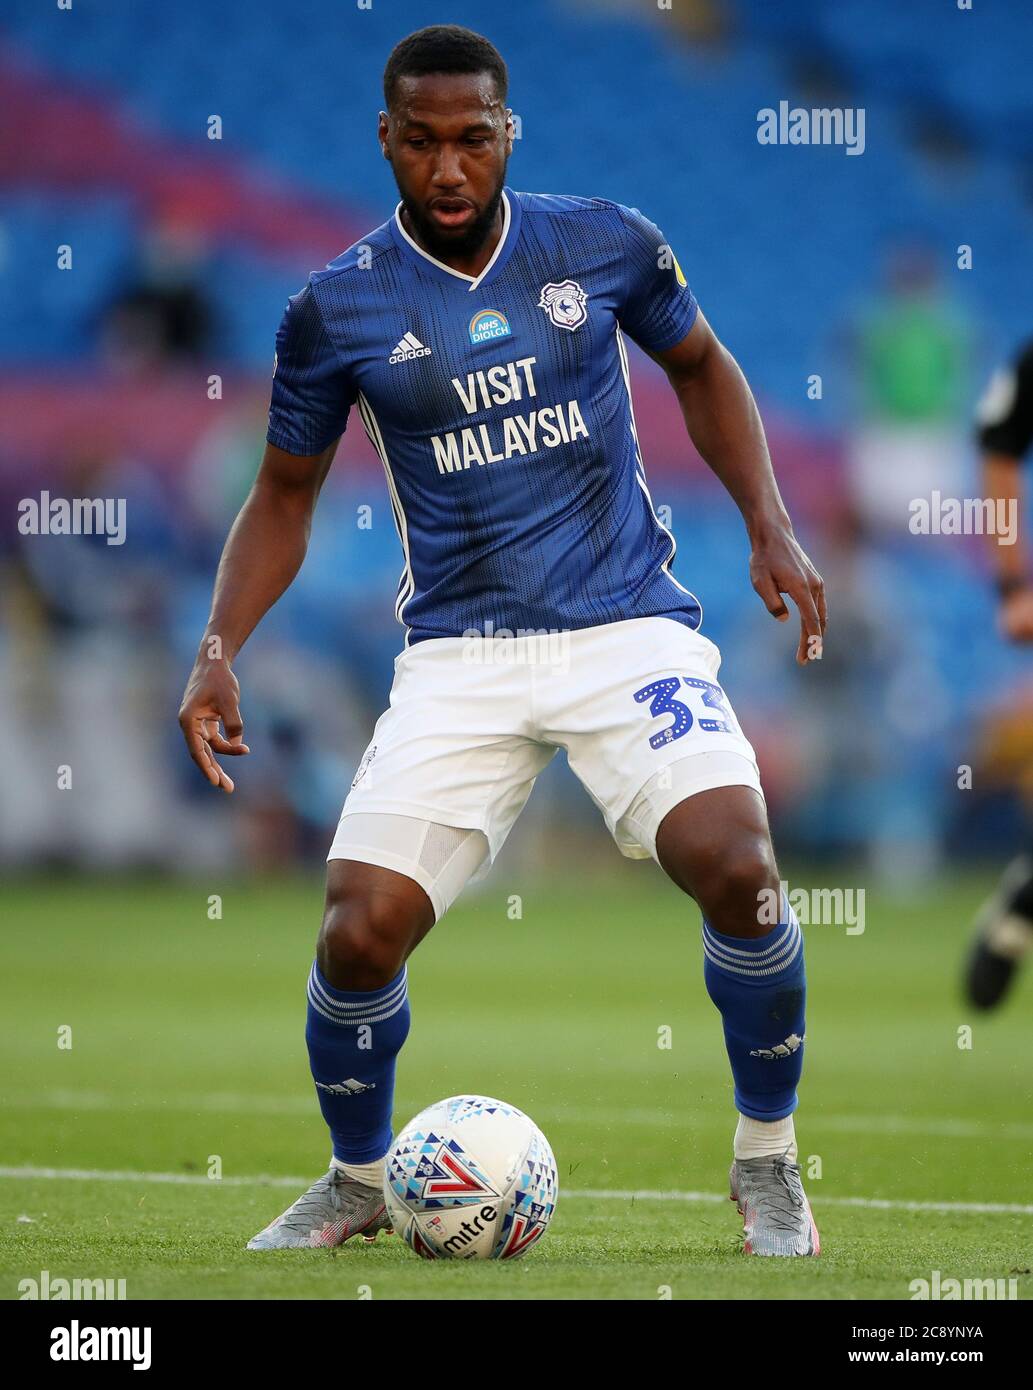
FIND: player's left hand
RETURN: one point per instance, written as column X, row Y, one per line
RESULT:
column 779, row 566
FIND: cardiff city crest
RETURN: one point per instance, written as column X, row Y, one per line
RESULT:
column 565, row 304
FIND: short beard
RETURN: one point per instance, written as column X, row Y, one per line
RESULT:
column 472, row 238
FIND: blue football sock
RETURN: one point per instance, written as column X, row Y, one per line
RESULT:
column 354, row 1037
column 760, row 987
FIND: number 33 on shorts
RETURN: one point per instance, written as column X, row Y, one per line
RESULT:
column 662, row 701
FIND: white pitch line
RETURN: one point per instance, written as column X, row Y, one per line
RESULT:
column 588, row 1193
column 871, row 1203
column 179, row 1179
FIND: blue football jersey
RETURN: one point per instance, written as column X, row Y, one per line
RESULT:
column 500, row 407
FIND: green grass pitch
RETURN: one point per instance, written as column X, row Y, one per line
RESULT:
column 187, row 1044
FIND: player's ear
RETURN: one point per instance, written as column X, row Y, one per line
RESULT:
column 382, row 125
column 510, row 131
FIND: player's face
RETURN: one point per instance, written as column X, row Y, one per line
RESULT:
column 447, row 138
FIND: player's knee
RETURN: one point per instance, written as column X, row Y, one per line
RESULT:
column 363, row 941
column 734, row 881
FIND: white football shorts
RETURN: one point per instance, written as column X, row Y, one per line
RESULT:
column 472, row 721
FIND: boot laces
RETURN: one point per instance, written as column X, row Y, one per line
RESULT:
column 778, row 1194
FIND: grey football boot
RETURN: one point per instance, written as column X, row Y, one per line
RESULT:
column 775, row 1212
column 334, row 1209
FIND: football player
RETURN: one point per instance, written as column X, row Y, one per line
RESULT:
column 480, row 335
column 1004, row 927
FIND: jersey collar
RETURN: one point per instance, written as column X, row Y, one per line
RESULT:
column 439, row 271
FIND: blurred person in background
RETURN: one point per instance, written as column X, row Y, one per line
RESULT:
column 162, row 314
column 910, row 357
column 91, row 621
column 1004, row 927
column 910, row 352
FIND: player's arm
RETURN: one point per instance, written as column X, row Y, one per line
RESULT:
column 1005, row 434
column 724, row 424
column 263, row 553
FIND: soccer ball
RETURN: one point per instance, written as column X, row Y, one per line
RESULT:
column 470, row 1178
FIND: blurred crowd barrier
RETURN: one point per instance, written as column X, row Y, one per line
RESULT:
column 146, row 252
column 863, row 752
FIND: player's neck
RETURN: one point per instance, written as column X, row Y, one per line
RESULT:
column 471, row 262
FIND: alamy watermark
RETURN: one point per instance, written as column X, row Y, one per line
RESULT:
column 819, row 125
column 937, row 515
column 79, row 1343
column 75, row 516
column 814, row 907
column 936, row 1287
column 58, row 1289
column 521, row 646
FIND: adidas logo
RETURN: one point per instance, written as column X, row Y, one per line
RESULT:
column 350, row 1087
column 409, row 347
column 783, row 1049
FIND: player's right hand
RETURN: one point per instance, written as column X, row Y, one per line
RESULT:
column 213, row 695
column 1015, row 616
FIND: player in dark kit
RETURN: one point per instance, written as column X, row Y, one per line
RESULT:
column 479, row 334
column 1004, row 927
